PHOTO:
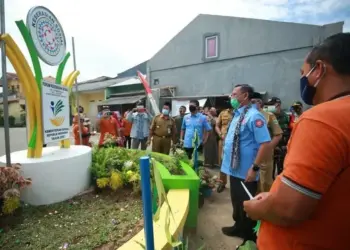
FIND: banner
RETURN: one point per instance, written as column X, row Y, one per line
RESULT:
column 55, row 110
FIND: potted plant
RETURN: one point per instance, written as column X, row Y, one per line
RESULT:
column 180, row 176
column 208, row 182
column 11, row 182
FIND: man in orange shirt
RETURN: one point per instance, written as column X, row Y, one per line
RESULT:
column 307, row 207
column 107, row 125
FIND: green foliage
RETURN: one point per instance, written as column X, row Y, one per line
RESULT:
column 248, row 245
column 126, row 161
column 12, row 121
column 23, row 119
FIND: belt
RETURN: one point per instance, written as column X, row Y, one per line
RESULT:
column 163, row 136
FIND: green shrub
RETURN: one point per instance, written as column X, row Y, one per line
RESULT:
column 12, row 121
column 23, row 120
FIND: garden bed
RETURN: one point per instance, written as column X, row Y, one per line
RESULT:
column 92, row 221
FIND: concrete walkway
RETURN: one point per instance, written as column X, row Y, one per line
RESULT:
column 215, row 214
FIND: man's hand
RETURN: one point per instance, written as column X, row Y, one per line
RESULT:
column 251, row 176
column 252, row 207
column 148, row 142
column 222, row 137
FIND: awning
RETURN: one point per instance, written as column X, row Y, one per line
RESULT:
column 123, row 100
column 176, row 104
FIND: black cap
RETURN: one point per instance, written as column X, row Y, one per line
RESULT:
column 273, row 101
column 256, row 95
column 297, row 103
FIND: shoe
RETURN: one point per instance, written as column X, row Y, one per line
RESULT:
column 220, row 188
column 231, row 231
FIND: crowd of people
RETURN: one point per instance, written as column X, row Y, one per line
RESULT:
column 304, row 207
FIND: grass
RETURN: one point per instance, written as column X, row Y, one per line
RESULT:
column 92, row 221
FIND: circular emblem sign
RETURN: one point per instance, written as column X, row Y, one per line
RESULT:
column 47, row 35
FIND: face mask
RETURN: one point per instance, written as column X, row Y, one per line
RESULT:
column 271, row 109
column 165, row 112
column 235, row 103
column 193, row 108
column 308, row 92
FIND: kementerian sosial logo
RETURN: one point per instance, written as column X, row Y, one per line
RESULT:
column 56, row 109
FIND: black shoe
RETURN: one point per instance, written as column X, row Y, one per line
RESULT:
column 231, row 231
column 220, row 188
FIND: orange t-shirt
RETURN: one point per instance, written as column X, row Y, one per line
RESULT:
column 84, row 131
column 317, row 163
column 127, row 127
column 107, row 126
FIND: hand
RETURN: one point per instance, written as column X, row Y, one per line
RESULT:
column 251, row 176
column 222, row 137
column 252, row 207
column 148, row 142
column 204, row 142
column 181, row 143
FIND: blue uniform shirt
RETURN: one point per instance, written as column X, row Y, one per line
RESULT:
column 191, row 123
column 253, row 133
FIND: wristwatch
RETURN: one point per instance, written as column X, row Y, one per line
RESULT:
column 256, row 167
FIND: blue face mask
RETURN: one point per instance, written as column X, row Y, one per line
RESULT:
column 165, row 112
column 308, row 92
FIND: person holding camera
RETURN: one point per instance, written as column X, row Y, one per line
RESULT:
column 108, row 126
column 140, row 119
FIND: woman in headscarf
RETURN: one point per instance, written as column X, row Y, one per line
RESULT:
column 211, row 157
column 85, row 134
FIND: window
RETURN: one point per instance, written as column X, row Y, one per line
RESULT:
column 211, row 47
column 156, row 82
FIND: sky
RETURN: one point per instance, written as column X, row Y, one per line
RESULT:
column 112, row 36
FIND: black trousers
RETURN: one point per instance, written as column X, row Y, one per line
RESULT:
column 127, row 142
column 243, row 224
column 189, row 151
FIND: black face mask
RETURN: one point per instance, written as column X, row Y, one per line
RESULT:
column 193, row 108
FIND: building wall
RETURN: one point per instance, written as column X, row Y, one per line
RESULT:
column 276, row 73
column 238, row 37
column 15, row 110
column 86, row 98
column 265, row 54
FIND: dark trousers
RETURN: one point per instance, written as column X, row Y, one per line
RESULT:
column 189, row 151
column 243, row 224
column 127, row 142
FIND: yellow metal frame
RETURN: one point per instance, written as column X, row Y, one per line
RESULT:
column 32, row 94
column 179, row 202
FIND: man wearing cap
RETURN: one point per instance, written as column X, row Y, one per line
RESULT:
column 265, row 181
column 297, row 110
column 274, row 105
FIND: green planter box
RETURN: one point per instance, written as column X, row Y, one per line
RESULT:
column 189, row 181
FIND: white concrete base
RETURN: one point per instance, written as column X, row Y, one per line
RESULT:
column 58, row 175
